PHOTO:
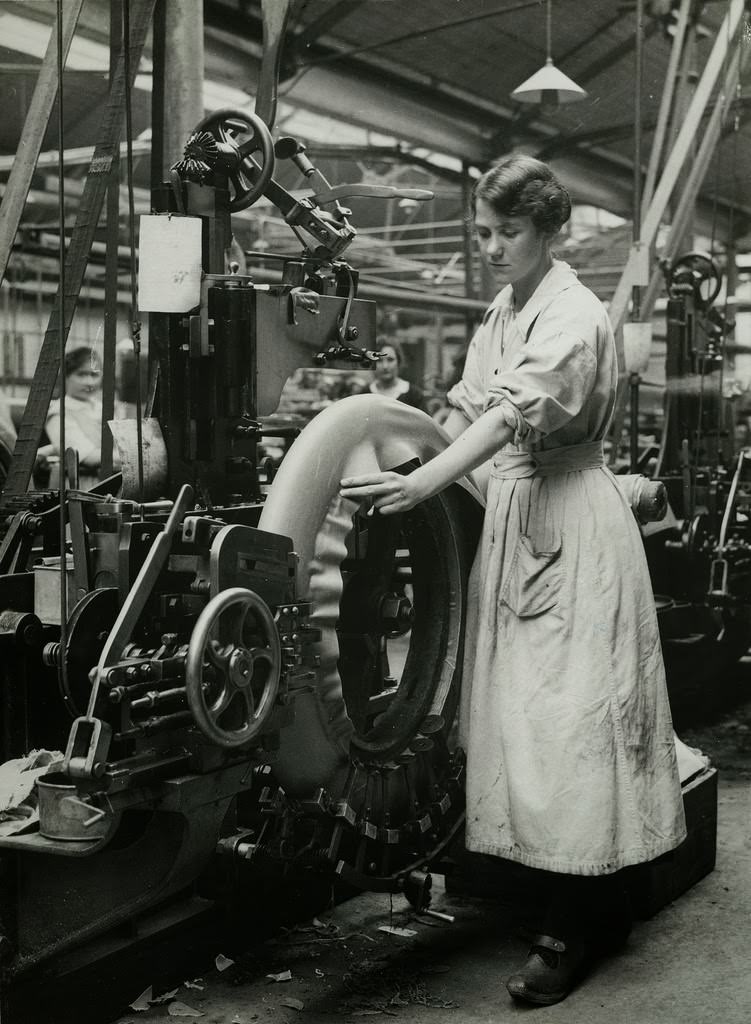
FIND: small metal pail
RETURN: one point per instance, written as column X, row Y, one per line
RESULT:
column 63, row 814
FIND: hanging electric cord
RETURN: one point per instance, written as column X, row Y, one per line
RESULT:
column 135, row 323
column 381, row 44
column 715, row 205
column 699, row 433
column 63, row 667
column 731, row 215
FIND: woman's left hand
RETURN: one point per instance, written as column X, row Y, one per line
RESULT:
column 388, row 492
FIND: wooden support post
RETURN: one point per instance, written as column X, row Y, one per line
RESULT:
column 159, row 58
column 30, row 143
column 183, row 76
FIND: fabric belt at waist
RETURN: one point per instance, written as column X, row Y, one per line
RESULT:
column 568, row 459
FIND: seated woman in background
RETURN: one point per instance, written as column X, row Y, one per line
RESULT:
column 386, row 380
column 83, row 415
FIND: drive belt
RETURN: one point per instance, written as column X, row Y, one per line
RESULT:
column 82, row 237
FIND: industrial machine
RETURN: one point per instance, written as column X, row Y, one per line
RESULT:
column 235, row 674
column 700, row 555
column 241, row 670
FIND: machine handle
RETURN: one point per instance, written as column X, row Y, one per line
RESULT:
column 98, row 814
column 371, row 192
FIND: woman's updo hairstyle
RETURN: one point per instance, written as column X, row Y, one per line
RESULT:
column 522, row 186
column 82, row 356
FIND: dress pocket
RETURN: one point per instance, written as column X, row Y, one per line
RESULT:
column 534, row 581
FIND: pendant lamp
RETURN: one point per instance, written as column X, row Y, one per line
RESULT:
column 548, row 86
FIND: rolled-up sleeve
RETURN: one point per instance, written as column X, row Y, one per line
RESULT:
column 546, row 386
column 470, row 393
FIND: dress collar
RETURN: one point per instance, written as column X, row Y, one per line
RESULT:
column 558, row 279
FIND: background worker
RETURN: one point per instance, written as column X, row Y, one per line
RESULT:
column 386, row 380
column 83, row 415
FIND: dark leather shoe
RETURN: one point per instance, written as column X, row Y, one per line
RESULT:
column 552, row 969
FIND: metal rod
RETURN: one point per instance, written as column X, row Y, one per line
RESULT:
column 110, row 278
column 634, row 383
column 638, row 82
column 61, row 337
column 439, row 915
column 135, row 322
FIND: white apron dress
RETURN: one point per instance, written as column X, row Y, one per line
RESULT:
column 571, row 763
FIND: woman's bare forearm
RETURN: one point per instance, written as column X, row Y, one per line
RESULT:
column 392, row 492
column 471, row 448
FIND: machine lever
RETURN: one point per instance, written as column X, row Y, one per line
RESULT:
column 371, row 192
column 135, row 602
column 287, row 148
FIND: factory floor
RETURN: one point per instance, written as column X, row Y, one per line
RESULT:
column 689, row 964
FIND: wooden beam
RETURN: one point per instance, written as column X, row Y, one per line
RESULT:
column 333, row 14
column 653, row 215
column 698, row 172
column 48, row 364
column 71, row 157
column 666, row 102
column 35, row 126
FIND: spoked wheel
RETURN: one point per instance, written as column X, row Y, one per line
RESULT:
column 229, row 138
column 232, row 668
column 369, row 748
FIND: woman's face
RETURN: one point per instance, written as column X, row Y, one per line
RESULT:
column 387, row 367
column 84, row 381
column 512, row 247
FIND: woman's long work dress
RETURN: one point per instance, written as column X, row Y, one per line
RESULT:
column 571, row 762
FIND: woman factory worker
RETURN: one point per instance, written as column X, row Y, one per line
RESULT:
column 83, row 414
column 571, row 765
column 386, row 380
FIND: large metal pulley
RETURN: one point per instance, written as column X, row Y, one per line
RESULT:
column 227, row 139
column 232, row 667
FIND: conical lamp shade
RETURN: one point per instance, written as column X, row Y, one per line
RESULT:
column 548, row 85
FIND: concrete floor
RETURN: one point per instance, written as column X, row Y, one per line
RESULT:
column 687, row 965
